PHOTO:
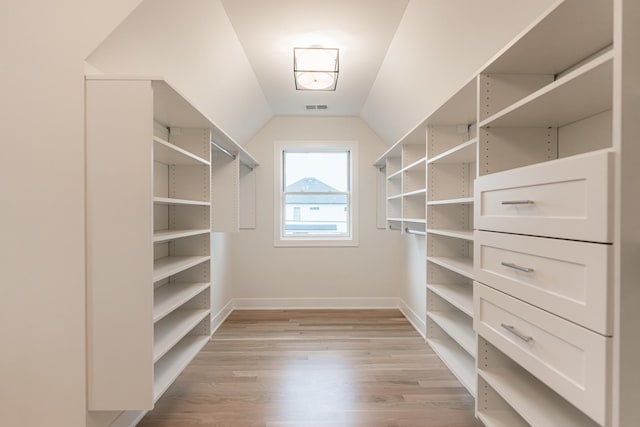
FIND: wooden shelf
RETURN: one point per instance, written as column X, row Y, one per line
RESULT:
column 463, row 153
column 418, row 165
column 501, row 418
column 459, row 201
column 459, row 362
column 171, row 296
column 415, row 220
column 166, row 235
column 458, row 326
column 168, row 266
column 458, row 234
column 582, row 93
column 562, row 33
column 420, row 192
column 168, row 331
column 175, row 202
column 460, row 265
column 167, row 369
column 169, row 154
column 396, row 175
column 458, row 295
column 534, row 401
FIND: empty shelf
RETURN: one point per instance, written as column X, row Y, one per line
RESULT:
column 169, row 297
column 168, row 266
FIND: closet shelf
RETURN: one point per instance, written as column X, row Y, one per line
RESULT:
column 395, row 196
column 501, row 418
column 171, row 296
column 458, row 326
column 460, row 265
column 171, row 202
column 534, row 401
column 168, row 331
column 419, row 192
column 169, row 154
column 168, row 266
column 463, row 153
column 167, row 369
column 458, row 234
column 418, row 165
column 458, row 295
column 166, row 235
column 396, row 175
column 459, row 362
column 584, row 92
column 415, row 220
column 458, row 201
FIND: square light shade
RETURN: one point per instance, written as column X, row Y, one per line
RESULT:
column 315, row 68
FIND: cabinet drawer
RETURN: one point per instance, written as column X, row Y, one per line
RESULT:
column 568, row 198
column 570, row 359
column 567, row 278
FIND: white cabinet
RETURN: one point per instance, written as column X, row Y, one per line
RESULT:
column 149, row 210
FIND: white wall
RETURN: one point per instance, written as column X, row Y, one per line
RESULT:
column 439, row 45
column 193, row 45
column 42, row 295
column 263, row 271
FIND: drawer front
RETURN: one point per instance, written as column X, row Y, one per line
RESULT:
column 570, row 359
column 568, row 278
column 567, row 198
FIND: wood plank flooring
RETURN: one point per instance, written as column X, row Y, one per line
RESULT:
column 315, row 368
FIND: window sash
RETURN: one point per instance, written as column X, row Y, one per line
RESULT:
column 309, row 235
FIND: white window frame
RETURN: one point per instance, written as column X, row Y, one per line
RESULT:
column 279, row 239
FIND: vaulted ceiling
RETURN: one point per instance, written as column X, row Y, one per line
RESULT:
column 269, row 30
column 399, row 59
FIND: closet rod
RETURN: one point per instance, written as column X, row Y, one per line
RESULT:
column 418, row 232
column 391, row 227
column 223, row 150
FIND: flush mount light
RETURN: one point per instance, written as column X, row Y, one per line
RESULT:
column 315, row 68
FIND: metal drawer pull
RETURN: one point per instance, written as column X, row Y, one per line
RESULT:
column 518, row 202
column 517, row 267
column 511, row 329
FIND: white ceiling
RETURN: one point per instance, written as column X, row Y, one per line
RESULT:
column 269, row 30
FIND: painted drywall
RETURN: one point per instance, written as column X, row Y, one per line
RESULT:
column 370, row 270
column 42, row 296
column 439, row 45
column 192, row 44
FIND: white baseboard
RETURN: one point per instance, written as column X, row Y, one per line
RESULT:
column 418, row 323
column 313, row 303
column 221, row 316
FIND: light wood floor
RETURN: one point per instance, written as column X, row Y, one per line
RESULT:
column 315, row 368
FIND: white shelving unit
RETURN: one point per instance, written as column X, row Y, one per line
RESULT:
column 548, row 102
column 404, row 166
column 150, row 156
column 451, row 159
column 536, row 153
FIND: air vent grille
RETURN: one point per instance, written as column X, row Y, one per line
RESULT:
column 316, row 107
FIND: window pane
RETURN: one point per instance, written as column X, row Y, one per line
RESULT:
column 316, row 172
column 316, row 215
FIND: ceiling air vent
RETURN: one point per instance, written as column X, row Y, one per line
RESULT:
column 316, row 107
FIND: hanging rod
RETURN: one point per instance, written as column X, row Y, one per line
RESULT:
column 418, row 232
column 391, row 227
column 223, row 150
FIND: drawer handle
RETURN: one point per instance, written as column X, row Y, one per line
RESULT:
column 513, row 330
column 517, row 267
column 518, row 202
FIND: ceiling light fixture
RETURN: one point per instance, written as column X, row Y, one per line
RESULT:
column 315, row 68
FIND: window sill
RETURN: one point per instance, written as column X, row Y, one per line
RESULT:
column 315, row 243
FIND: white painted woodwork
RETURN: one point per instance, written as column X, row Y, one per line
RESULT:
column 569, row 198
column 459, row 362
column 493, row 410
column 531, row 399
column 149, row 270
column 119, row 245
column 570, row 279
column 225, row 196
column 459, row 295
column 572, row 360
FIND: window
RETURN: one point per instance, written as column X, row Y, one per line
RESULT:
column 316, row 204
